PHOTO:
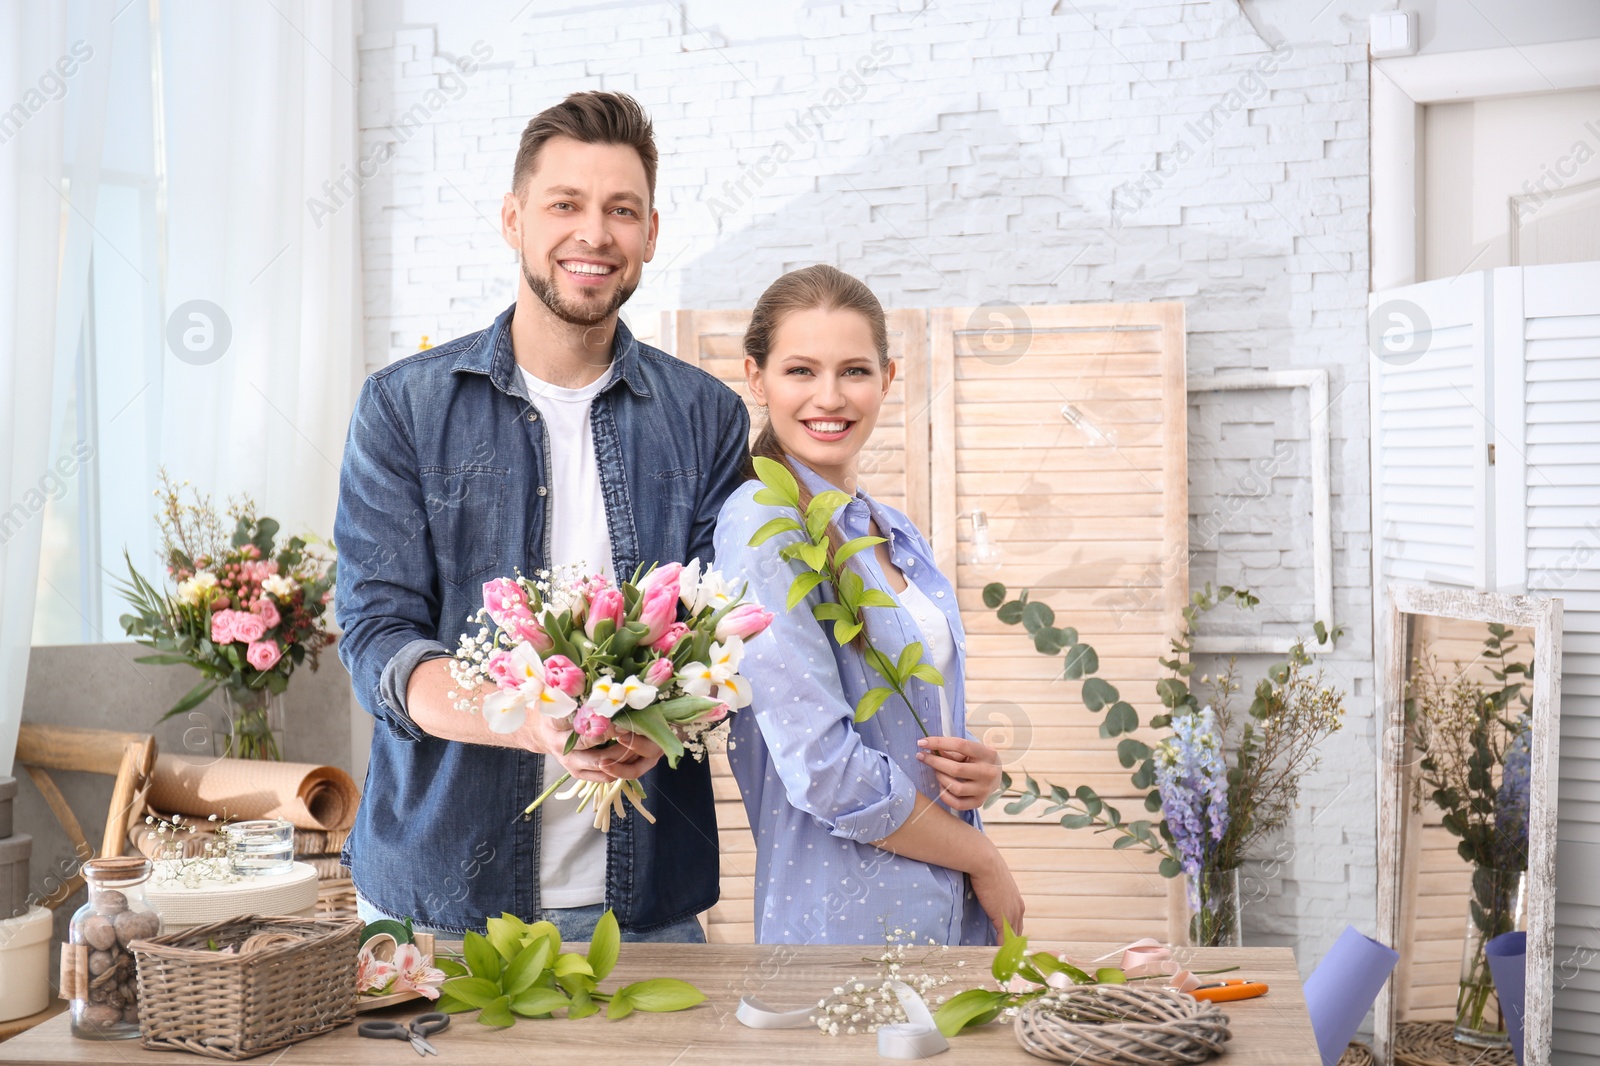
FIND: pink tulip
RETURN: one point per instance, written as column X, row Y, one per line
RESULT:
column 562, row 673
column 503, row 598
column 248, row 627
column 607, row 605
column 669, row 640
column 715, row 714
column 659, row 673
column 659, row 610
column 589, row 724
column 662, row 576
column 263, row 654
column 744, row 621
column 523, row 626
column 222, row 627
column 500, row 671
column 268, row 611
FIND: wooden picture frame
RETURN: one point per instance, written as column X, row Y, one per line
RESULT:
column 1542, row 615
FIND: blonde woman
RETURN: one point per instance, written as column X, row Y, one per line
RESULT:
column 871, row 827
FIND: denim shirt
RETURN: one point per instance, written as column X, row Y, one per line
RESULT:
column 818, row 786
column 444, row 486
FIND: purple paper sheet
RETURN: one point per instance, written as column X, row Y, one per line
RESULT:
column 1342, row 988
column 1508, row 964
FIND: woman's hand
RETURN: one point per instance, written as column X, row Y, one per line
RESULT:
column 968, row 772
column 998, row 893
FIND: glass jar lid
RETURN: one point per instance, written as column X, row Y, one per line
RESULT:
column 117, row 872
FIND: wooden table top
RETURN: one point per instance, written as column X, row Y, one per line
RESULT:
column 1273, row 1029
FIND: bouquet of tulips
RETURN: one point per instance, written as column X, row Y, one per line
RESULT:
column 601, row 658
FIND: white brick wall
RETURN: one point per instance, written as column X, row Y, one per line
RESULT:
column 977, row 163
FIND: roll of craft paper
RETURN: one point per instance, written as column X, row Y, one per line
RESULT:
column 1508, row 964
column 1341, row 989
column 308, row 796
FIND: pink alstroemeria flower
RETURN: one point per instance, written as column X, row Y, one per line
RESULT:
column 372, row 973
column 416, row 973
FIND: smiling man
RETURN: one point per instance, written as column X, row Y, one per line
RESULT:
column 551, row 438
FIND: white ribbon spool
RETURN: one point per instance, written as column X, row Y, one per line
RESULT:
column 915, row 1038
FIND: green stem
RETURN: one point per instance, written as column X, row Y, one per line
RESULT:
column 530, row 808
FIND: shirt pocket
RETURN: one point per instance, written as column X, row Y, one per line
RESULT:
column 466, row 517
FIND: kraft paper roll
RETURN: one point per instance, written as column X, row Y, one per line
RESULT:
column 1508, row 964
column 306, row 795
column 1341, row 989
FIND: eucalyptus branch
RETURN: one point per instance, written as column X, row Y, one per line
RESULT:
column 825, row 564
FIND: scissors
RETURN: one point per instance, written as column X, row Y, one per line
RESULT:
column 1223, row 991
column 423, row 1025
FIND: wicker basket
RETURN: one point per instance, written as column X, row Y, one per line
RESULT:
column 241, row 1005
column 336, row 899
column 1122, row 1025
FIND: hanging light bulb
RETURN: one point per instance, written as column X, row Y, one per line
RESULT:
column 984, row 556
column 1093, row 435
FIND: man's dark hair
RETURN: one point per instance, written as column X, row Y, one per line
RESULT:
column 593, row 118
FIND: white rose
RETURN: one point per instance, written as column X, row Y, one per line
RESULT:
column 279, row 586
column 194, row 590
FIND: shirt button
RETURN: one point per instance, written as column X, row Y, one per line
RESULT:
column 533, row 416
column 911, row 562
column 939, row 594
column 545, row 492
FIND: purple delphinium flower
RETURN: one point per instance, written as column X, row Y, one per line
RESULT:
column 1193, row 779
column 1511, row 803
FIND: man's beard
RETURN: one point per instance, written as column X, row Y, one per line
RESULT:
column 545, row 290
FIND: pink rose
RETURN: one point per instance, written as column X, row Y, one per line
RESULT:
column 523, row 626
column 669, row 640
column 744, row 621
column 248, row 627
column 607, row 605
column 563, row 674
column 659, row 673
column 504, row 597
column 659, row 610
column 666, row 576
column 222, row 627
column 268, row 611
column 500, row 671
column 263, row 654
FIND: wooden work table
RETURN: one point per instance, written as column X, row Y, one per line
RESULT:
column 1273, row 1029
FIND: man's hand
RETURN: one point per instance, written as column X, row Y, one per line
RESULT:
column 631, row 757
column 968, row 772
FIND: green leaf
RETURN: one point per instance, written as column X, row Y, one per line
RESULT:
column 192, row 699
column 450, row 967
column 973, row 1007
column 1123, row 843
column 652, row 723
column 871, row 702
column 1173, row 693
column 684, row 708
column 1110, row 975
column 813, row 555
column 875, row 598
column 1076, row 821
column 527, row 966
column 482, row 959
column 449, row 1004
column 1079, row 660
column 164, row 660
column 1170, row 867
column 662, row 994
column 569, row 963
column 1047, row 641
column 910, row 655
column 801, row 588
column 619, row 1007
column 1010, row 613
column 538, row 1002
column 478, row 991
column 927, row 673
column 1078, row 976
column 1009, row 957
column 505, row 935
column 1037, row 615
column 1098, row 694
column 603, row 945
column 782, row 524
column 994, row 594
column 1131, row 751
column 1121, row 718
column 582, row 1005
column 777, row 477
column 845, row 632
column 498, row 1013
column 850, row 547
column 819, row 512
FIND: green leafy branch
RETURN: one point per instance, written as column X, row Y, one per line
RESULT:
column 826, row 564
column 1083, row 808
column 520, row 970
column 979, row 1006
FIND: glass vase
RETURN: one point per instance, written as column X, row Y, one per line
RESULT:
column 254, row 725
column 105, row 1006
column 1495, row 906
column 1215, row 922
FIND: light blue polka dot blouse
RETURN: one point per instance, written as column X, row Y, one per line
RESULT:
column 818, row 786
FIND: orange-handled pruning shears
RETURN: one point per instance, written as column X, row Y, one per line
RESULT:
column 1238, row 988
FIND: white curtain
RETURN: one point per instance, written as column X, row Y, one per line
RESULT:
column 260, row 110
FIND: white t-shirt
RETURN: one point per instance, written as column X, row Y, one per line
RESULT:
column 938, row 643
column 572, row 852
